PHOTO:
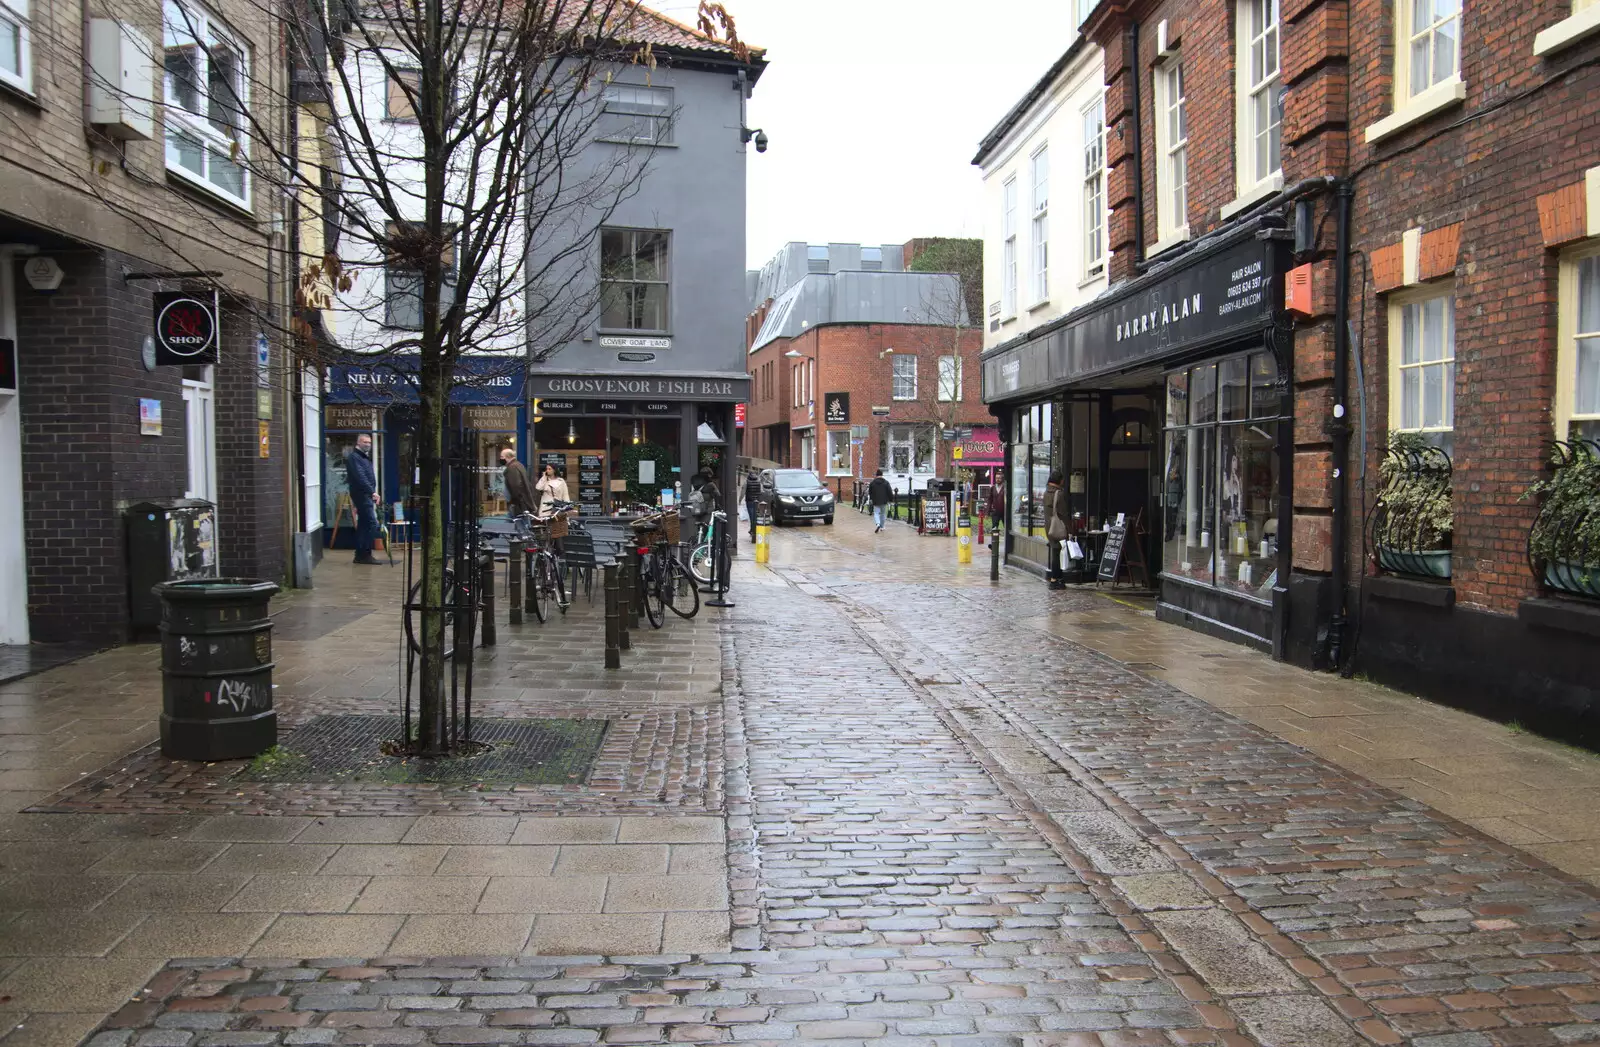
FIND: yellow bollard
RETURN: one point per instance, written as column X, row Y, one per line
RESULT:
column 963, row 538
column 761, row 542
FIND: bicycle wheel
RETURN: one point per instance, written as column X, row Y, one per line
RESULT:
column 682, row 593
column 700, row 563
column 650, row 582
column 543, row 583
column 413, row 641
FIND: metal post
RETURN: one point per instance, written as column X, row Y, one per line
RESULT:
column 994, row 558
column 514, row 581
column 613, row 619
column 486, row 582
column 719, row 552
column 635, row 587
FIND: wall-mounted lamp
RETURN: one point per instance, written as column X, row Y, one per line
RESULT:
column 747, row 133
column 794, row 354
column 572, row 431
column 886, row 352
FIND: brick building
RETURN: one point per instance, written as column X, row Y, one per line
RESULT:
column 854, row 369
column 102, row 207
column 1243, row 139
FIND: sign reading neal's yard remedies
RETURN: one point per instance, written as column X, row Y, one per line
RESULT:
column 394, row 379
column 1219, row 294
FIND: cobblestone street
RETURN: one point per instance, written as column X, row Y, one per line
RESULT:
column 881, row 800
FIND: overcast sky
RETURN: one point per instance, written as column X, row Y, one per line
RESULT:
column 876, row 107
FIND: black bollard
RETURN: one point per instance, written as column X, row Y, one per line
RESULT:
column 719, row 556
column 613, row 618
column 624, row 600
column 486, row 586
column 514, row 582
column 994, row 557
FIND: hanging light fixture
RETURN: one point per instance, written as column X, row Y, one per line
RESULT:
column 572, row 431
column 636, row 432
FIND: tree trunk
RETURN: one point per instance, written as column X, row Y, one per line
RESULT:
column 431, row 727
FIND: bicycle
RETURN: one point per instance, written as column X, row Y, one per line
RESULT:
column 663, row 580
column 700, row 557
column 454, row 597
column 545, row 578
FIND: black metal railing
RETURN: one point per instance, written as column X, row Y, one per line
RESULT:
column 1564, row 541
column 1411, row 524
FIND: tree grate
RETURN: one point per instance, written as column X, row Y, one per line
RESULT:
column 352, row 749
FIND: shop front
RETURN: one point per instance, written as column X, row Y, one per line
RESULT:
column 380, row 400
column 634, row 441
column 1165, row 409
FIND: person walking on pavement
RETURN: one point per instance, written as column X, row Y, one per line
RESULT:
column 553, row 486
column 363, row 482
column 752, row 495
column 880, row 494
column 519, row 493
column 1055, row 528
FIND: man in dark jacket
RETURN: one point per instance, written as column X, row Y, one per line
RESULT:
column 520, row 497
column 880, row 494
column 752, row 496
column 363, row 483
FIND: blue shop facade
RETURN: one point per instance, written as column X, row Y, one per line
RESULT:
column 488, row 410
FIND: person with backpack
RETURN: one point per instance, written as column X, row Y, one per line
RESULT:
column 1055, row 528
column 880, row 494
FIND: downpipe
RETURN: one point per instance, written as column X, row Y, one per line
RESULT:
column 1339, row 427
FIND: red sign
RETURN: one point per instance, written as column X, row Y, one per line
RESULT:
column 186, row 329
column 982, row 448
column 738, row 416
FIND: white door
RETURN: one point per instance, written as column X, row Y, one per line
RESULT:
column 200, row 432
column 13, row 550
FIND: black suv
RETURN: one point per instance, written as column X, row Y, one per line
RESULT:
column 795, row 494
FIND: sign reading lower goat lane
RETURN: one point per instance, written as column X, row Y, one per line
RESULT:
column 186, row 328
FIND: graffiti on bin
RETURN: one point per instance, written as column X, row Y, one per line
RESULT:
column 241, row 695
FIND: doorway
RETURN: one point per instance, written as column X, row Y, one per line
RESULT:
column 13, row 547
column 200, row 432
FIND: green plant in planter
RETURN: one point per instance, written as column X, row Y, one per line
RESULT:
column 1565, row 540
column 631, row 456
column 1416, row 522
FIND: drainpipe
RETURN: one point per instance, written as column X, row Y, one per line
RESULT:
column 1339, row 427
column 1137, row 146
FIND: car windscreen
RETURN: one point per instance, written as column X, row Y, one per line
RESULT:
column 796, row 480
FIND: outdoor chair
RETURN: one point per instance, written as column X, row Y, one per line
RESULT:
column 579, row 553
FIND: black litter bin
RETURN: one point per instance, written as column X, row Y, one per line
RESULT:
column 216, row 668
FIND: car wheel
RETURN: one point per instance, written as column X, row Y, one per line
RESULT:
column 828, row 520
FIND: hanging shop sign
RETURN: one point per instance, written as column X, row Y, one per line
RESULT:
column 490, row 419
column 738, row 416
column 186, row 328
column 1219, row 294
column 836, row 409
column 980, row 446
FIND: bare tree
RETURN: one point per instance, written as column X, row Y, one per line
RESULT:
column 942, row 337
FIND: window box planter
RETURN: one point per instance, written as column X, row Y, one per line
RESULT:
column 1426, row 563
column 1573, row 578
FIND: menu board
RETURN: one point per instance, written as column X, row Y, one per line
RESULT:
column 591, row 482
column 935, row 516
column 555, row 458
column 1111, row 555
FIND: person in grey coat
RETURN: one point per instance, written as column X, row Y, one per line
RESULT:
column 363, row 482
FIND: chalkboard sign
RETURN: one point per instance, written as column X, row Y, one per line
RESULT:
column 1111, row 555
column 935, row 516
column 555, row 458
column 591, row 483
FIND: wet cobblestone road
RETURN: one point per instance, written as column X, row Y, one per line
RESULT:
column 948, row 827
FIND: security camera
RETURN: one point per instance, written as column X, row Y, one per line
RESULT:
column 761, row 141
column 760, row 136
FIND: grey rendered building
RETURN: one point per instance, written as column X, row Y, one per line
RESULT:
column 644, row 394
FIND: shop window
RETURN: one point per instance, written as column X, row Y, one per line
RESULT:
column 839, row 452
column 206, row 77
column 1033, row 457
column 1220, row 475
column 16, row 45
column 636, row 114
column 634, row 280
column 907, row 448
column 1578, row 356
column 1422, row 363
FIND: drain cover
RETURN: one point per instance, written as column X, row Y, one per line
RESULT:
column 350, row 749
